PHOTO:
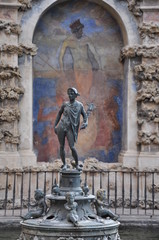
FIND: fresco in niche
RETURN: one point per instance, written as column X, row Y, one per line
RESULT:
column 78, row 44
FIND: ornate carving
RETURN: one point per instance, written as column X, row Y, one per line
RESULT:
column 147, row 72
column 11, row 93
column 9, row 137
column 134, row 8
column 7, row 72
column 10, row 27
column 149, row 92
column 149, row 115
column 9, row 115
column 149, row 29
column 146, row 138
column 29, row 49
column 140, row 50
column 20, row 50
column 26, row 4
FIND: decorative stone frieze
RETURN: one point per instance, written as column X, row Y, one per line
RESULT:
column 146, row 51
column 10, row 27
column 149, row 92
column 13, row 93
column 134, row 7
column 149, row 29
column 25, row 4
column 20, row 50
column 9, row 137
column 147, row 72
column 147, row 138
column 9, row 115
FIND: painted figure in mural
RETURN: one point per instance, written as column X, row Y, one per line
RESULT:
column 84, row 56
column 68, row 125
column 40, row 205
column 71, row 206
column 101, row 205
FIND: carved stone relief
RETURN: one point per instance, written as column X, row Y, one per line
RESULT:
column 25, row 4
column 147, row 72
column 10, row 28
column 147, row 138
column 149, row 29
column 147, row 114
column 149, row 92
column 133, row 6
column 9, row 115
column 7, row 72
column 13, row 93
column 146, row 51
column 9, row 137
column 10, row 93
column 20, row 50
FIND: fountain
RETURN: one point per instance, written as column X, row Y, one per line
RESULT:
column 73, row 213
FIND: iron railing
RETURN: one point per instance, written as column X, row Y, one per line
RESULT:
column 128, row 192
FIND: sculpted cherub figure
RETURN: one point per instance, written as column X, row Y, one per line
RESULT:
column 71, row 206
column 101, row 205
column 40, row 205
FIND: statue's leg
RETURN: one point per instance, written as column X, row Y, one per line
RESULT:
column 61, row 137
column 71, row 143
column 112, row 215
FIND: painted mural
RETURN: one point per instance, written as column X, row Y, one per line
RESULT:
column 78, row 44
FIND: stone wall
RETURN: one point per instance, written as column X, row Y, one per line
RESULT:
column 139, row 24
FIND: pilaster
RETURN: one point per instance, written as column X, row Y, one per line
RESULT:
column 147, row 84
column 11, row 88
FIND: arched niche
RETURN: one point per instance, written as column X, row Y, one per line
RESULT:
column 129, row 33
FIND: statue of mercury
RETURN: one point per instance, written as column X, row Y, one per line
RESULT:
column 67, row 124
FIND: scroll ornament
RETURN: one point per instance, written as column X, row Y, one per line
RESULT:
column 10, row 27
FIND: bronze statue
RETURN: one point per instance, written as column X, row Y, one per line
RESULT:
column 101, row 206
column 40, row 205
column 71, row 206
column 67, row 124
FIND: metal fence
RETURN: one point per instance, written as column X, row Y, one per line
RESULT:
column 128, row 192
